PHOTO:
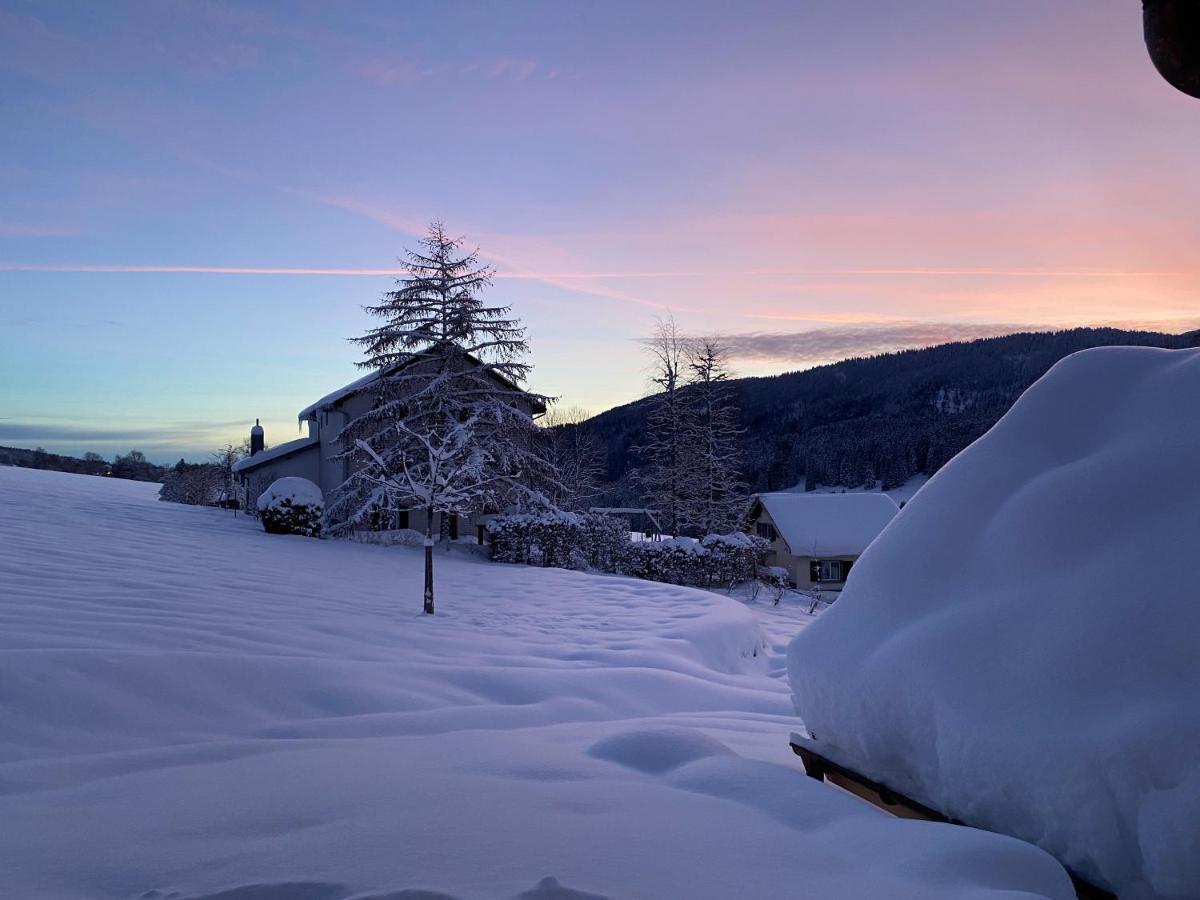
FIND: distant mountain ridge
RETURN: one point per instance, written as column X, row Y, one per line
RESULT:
column 881, row 418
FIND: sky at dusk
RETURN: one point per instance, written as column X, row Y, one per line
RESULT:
column 197, row 198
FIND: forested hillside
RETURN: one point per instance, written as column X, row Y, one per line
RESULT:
column 883, row 418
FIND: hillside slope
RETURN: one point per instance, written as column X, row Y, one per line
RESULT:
column 882, row 418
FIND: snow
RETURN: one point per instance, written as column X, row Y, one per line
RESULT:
column 193, row 708
column 293, row 490
column 905, row 492
column 829, row 524
column 1018, row 648
column 275, row 452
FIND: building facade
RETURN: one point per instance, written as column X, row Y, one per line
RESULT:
column 317, row 456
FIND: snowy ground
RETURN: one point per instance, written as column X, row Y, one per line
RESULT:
column 192, row 708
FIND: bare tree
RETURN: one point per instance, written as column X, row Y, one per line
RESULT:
column 715, row 492
column 575, row 455
column 224, row 458
column 451, row 428
column 665, row 455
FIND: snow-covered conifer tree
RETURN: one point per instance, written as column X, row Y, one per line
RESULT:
column 715, row 493
column 451, row 430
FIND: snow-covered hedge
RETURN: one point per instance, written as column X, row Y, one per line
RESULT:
column 561, row 539
column 292, row 505
column 575, row 540
column 718, row 559
column 1019, row 647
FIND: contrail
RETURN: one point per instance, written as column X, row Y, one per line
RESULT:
column 583, row 276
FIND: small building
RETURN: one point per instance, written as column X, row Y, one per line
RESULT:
column 318, row 457
column 818, row 537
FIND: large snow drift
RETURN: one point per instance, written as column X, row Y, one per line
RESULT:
column 1021, row 646
column 190, row 707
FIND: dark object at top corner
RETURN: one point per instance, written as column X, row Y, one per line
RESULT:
column 1172, row 29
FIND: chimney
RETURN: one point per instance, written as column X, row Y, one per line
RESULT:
column 256, row 438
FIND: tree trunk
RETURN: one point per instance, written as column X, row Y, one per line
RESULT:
column 429, row 562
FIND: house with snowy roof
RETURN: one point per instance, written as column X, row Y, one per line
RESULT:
column 818, row 537
column 318, row 457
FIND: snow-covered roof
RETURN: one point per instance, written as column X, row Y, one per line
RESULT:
column 335, row 397
column 829, row 524
column 279, row 450
column 340, row 394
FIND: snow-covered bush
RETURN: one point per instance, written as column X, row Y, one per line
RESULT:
column 674, row 560
column 560, row 539
column 197, row 484
column 732, row 558
column 530, row 537
column 599, row 542
column 291, row 505
column 989, row 657
column 602, row 540
column 717, row 559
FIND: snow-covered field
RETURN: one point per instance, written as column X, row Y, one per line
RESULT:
column 190, row 707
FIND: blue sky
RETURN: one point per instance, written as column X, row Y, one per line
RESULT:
column 196, row 198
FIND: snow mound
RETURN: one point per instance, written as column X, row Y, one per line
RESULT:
column 1019, row 647
column 657, row 750
column 292, row 490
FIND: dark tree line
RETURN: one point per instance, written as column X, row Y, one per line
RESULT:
column 132, row 465
column 883, row 418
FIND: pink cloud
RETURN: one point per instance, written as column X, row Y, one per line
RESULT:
column 864, row 338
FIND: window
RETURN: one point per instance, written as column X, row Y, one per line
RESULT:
column 766, row 530
column 830, row 570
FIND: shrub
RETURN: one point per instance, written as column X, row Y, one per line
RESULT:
column 564, row 539
column 292, row 506
column 594, row 541
column 732, row 558
column 718, row 559
column 198, row 484
column 603, row 540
